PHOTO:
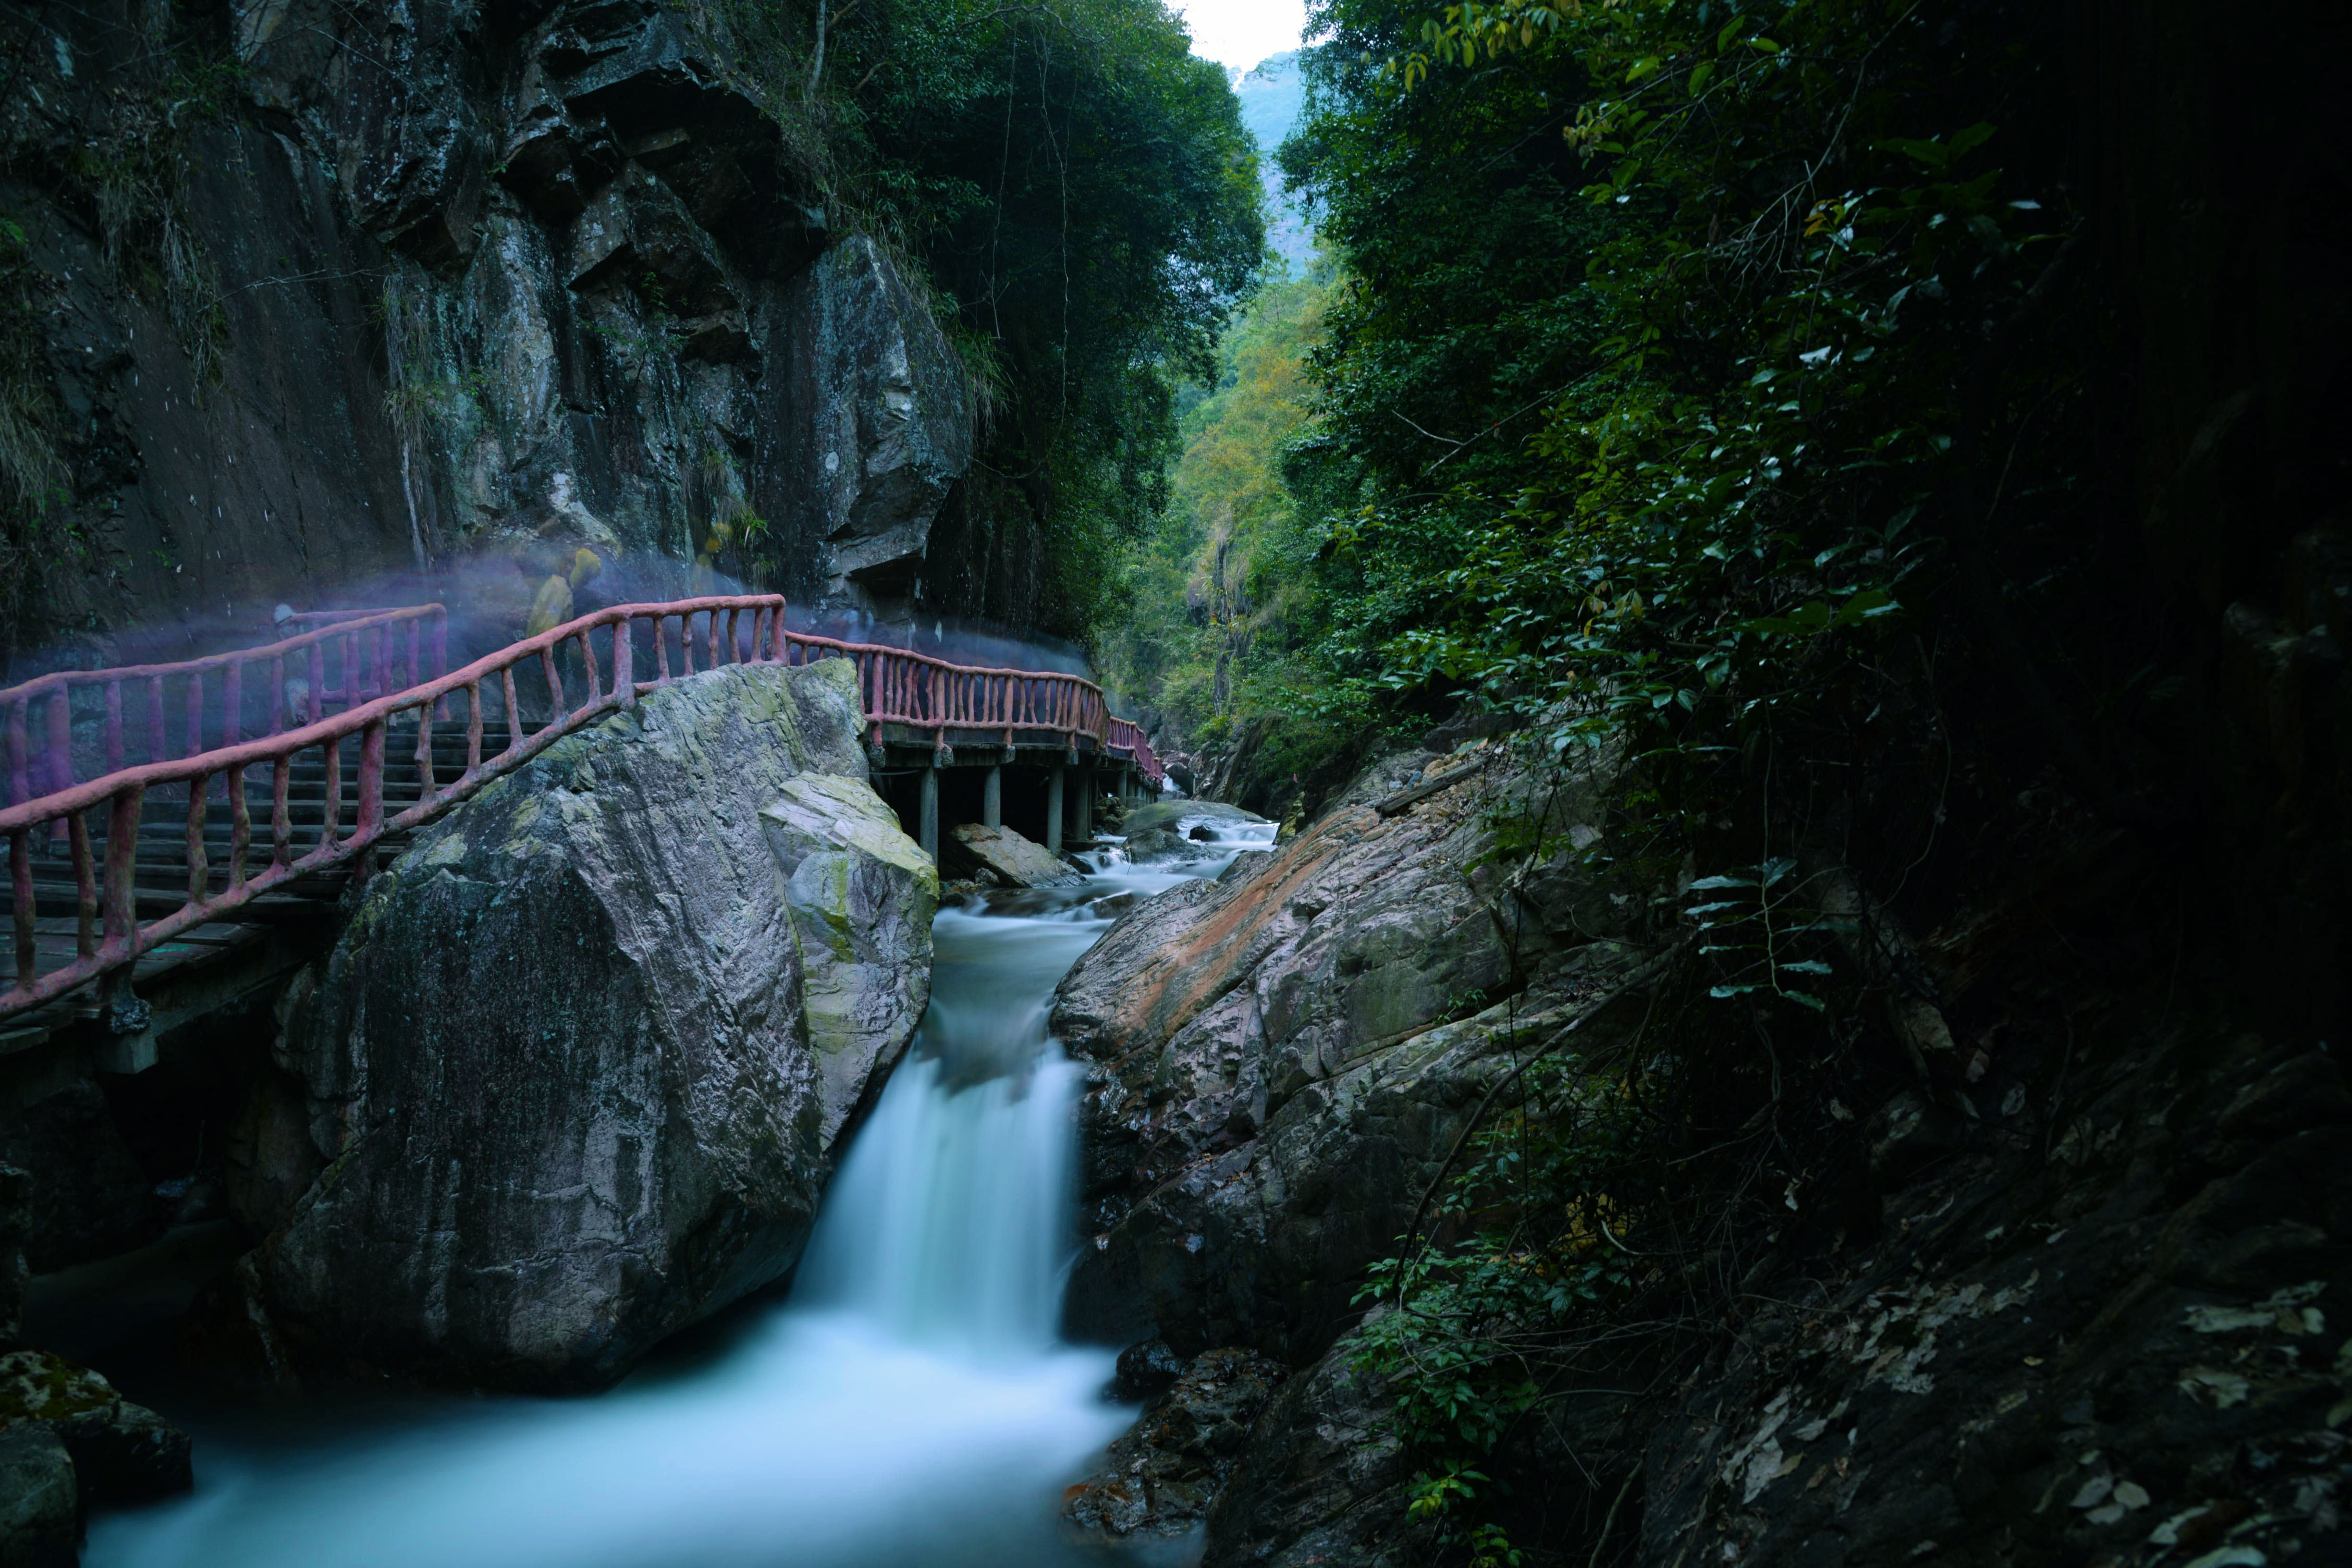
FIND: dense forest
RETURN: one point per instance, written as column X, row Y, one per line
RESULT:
column 1871, row 434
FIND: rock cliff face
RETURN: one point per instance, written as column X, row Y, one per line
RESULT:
column 383, row 287
column 1283, row 1057
column 575, row 1073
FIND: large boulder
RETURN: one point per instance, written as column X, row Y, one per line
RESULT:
column 120, row 1452
column 862, row 895
column 1282, row 1059
column 1002, row 856
column 40, row 1510
column 559, row 1077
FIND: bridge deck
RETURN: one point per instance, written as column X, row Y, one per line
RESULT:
column 175, row 864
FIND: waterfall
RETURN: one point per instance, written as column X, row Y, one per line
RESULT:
column 911, row 1405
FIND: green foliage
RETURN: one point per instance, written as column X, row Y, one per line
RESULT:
column 1222, row 620
column 1659, row 395
column 1079, row 191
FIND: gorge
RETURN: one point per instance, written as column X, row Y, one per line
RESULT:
column 892, row 783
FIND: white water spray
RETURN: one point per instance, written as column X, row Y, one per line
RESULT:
column 910, row 1406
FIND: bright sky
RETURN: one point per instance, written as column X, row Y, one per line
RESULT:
column 1241, row 33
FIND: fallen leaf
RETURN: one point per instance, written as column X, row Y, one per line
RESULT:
column 2131, row 1494
column 2093, row 1492
column 2229, row 1557
column 2223, row 1387
column 2168, row 1533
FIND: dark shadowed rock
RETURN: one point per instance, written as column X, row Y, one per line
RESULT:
column 83, row 1194
column 40, row 1511
column 473, row 278
column 121, row 1452
column 1321, row 1480
column 558, row 1068
column 1158, row 1478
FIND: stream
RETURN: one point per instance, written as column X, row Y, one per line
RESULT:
column 910, row 1403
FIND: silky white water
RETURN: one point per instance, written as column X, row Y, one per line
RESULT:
column 911, row 1405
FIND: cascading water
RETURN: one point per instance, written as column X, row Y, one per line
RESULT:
column 911, row 1405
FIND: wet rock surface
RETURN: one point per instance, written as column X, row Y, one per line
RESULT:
column 561, row 1089
column 40, row 1509
column 862, row 895
column 1281, row 1059
column 1321, row 1480
column 118, row 1452
column 1175, row 830
column 998, row 856
column 1159, row 1478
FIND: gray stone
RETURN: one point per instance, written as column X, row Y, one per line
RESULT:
column 1282, row 1060
column 1005, row 857
column 559, row 1066
column 862, row 895
column 563, row 282
column 868, row 419
column 40, row 1509
column 121, row 1452
column 1166, row 815
column 1321, row 1480
column 1159, row 1477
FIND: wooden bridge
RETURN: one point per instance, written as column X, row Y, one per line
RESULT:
column 208, row 855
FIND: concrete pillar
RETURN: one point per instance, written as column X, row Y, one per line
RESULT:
column 1086, row 802
column 1054, row 810
column 929, row 816
column 991, row 796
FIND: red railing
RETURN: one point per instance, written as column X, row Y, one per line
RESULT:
column 361, row 654
column 102, row 856
column 926, row 693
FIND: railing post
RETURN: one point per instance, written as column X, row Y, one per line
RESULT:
column 624, row 678
column 371, row 811
column 61, row 717
column 20, row 888
column 85, row 885
column 281, row 829
column 114, row 726
column 20, row 776
column 121, row 869
column 315, row 698
column 240, row 829
column 199, row 870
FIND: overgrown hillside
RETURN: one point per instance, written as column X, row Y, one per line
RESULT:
column 1895, row 448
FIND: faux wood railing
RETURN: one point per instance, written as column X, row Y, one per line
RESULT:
column 355, row 655
column 898, row 687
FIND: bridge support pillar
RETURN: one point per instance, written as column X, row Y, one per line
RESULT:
column 1086, row 801
column 928, row 817
column 1054, row 810
column 991, row 796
